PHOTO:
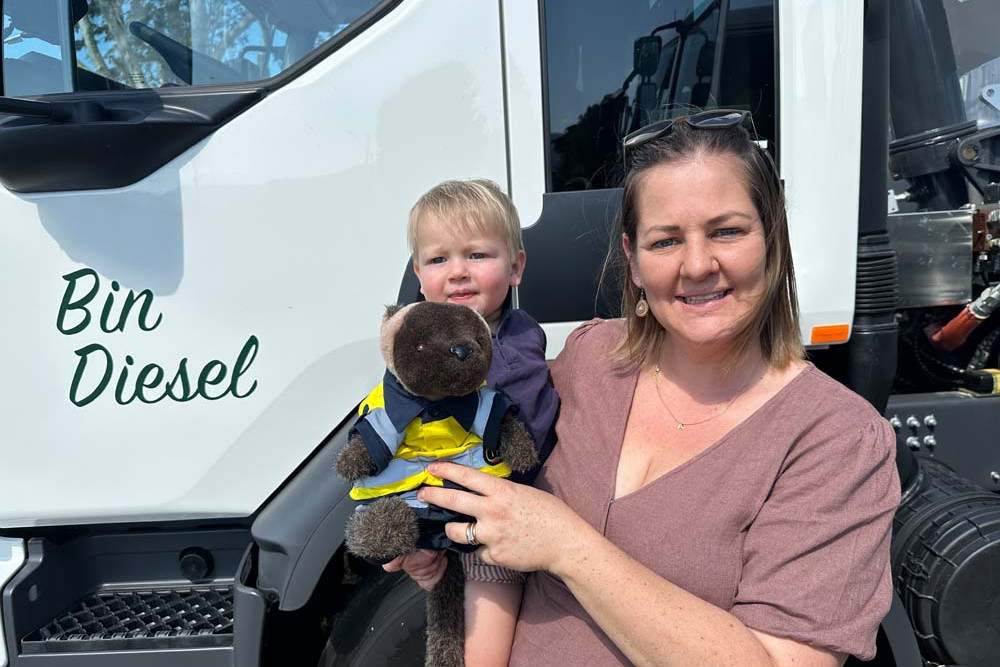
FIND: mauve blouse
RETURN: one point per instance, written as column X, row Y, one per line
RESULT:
column 785, row 521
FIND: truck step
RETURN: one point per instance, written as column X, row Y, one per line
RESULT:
column 123, row 620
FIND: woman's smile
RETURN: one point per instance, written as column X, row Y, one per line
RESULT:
column 704, row 301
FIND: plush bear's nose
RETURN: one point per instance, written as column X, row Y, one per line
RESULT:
column 460, row 351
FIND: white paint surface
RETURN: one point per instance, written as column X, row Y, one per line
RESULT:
column 820, row 47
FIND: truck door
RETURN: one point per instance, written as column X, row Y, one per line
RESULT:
column 203, row 208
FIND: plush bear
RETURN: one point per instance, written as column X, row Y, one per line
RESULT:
column 432, row 405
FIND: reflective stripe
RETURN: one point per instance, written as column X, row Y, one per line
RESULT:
column 410, row 474
column 410, row 498
column 380, row 422
column 486, row 398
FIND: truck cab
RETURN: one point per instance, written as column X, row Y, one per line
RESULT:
column 203, row 206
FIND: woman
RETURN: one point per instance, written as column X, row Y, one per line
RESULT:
column 714, row 499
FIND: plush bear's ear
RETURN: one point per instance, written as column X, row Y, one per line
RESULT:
column 391, row 310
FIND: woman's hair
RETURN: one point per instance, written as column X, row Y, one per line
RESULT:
column 474, row 205
column 774, row 322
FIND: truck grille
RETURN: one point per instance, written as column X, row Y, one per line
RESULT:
column 116, row 620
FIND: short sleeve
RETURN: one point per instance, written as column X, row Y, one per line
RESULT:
column 476, row 570
column 816, row 557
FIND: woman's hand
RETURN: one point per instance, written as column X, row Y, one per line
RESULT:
column 426, row 567
column 520, row 527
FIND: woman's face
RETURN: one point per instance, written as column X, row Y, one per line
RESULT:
column 700, row 250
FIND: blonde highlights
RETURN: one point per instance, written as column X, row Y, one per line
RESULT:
column 474, row 205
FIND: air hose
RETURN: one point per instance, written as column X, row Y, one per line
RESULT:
column 952, row 335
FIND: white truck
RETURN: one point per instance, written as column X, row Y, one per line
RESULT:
column 202, row 206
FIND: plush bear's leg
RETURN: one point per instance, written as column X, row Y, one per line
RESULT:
column 382, row 530
column 446, row 618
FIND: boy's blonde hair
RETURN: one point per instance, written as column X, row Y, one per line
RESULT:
column 474, row 205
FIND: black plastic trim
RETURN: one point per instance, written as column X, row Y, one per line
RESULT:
column 872, row 350
column 505, row 89
column 568, row 245
column 250, row 608
column 776, row 31
column 409, row 286
column 547, row 124
column 303, row 526
column 899, row 634
column 132, row 135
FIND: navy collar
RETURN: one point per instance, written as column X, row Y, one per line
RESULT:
column 402, row 407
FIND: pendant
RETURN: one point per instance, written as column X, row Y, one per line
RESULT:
column 680, row 426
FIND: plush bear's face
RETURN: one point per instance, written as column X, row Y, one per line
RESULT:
column 437, row 349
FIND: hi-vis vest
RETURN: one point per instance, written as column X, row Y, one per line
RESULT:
column 405, row 433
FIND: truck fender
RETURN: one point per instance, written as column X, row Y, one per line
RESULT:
column 303, row 526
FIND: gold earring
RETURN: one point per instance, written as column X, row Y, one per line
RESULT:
column 642, row 306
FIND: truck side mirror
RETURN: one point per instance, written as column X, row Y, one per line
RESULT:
column 646, row 55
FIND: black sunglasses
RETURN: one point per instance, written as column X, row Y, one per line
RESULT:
column 716, row 119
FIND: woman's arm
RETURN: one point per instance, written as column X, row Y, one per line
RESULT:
column 652, row 621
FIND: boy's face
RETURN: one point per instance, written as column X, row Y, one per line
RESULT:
column 471, row 268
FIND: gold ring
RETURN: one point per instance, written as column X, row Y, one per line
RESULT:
column 470, row 533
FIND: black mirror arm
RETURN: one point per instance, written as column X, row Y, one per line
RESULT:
column 19, row 107
column 57, row 112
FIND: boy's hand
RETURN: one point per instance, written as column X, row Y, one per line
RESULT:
column 426, row 567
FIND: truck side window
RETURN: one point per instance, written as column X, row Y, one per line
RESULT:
column 60, row 46
column 615, row 66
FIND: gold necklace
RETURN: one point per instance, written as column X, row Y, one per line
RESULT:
column 681, row 424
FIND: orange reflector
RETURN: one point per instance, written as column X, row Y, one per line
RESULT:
column 834, row 333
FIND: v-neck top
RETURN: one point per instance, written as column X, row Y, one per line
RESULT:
column 784, row 521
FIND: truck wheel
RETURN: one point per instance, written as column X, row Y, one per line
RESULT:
column 382, row 625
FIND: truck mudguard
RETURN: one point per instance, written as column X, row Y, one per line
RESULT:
column 303, row 526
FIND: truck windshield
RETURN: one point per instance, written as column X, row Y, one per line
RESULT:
column 59, row 46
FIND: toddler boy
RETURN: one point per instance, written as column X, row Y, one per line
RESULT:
column 465, row 238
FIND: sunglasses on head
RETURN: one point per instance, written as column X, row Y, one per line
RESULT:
column 716, row 119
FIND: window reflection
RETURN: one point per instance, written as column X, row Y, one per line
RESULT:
column 613, row 67
column 129, row 44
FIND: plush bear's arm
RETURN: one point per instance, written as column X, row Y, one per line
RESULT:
column 354, row 461
column 517, row 447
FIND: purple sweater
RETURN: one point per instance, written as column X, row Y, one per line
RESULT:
column 519, row 369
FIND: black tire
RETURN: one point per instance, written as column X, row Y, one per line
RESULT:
column 383, row 625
